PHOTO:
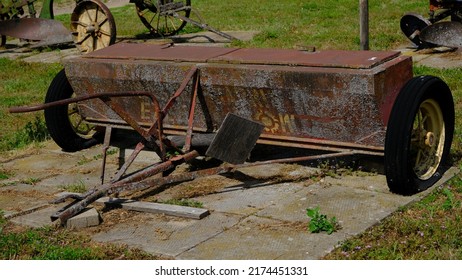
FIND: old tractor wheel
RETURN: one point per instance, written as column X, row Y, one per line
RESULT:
column 92, row 26
column 419, row 135
column 64, row 123
column 161, row 19
column 411, row 25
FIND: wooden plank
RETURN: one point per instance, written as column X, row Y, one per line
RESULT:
column 158, row 208
column 235, row 139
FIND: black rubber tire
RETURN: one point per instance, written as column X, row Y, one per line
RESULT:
column 399, row 169
column 2, row 37
column 57, row 118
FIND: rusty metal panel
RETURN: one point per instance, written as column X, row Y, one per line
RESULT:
column 320, row 103
column 168, row 52
column 337, row 59
column 164, row 52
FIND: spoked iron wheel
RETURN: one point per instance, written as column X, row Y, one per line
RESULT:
column 79, row 125
column 92, row 26
column 159, row 15
column 419, row 135
column 64, row 123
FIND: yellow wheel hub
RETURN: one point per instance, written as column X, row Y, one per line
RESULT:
column 427, row 142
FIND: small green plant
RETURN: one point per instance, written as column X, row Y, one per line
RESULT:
column 4, row 174
column 33, row 131
column 319, row 222
column 100, row 156
column 30, row 181
column 450, row 202
column 77, row 187
column 183, row 202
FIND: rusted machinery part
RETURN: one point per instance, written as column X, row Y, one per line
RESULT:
column 411, row 25
column 443, row 33
column 65, row 124
column 159, row 18
column 92, row 26
column 419, row 135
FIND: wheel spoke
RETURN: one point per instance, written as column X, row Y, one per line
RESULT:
column 96, row 14
column 84, row 39
column 88, row 14
column 102, row 22
column 419, row 155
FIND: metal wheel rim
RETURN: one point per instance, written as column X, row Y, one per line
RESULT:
column 427, row 139
column 158, row 22
column 78, row 124
column 92, row 26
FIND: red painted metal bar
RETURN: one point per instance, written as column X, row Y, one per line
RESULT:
column 145, row 185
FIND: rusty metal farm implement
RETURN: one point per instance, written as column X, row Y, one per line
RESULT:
column 92, row 24
column 342, row 103
column 442, row 27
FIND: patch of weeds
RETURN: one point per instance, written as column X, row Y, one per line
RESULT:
column 59, row 244
column 319, row 222
column 450, row 202
column 30, row 181
column 267, row 35
column 33, row 131
column 75, row 188
column 84, row 160
column 100, row 156
column 184, row 202
column 5, row 174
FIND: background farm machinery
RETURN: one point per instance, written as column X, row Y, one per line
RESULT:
column 92, row 24
column 442, row 27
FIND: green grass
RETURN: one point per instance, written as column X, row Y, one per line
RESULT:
column 22, row 84
column 183, row 202
column 59, row 244
column 429, row 229
column 329, row 24
column 78, row 187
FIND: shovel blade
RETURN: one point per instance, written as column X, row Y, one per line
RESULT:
column 235, row 139
column 447, row 34
column 36, row 29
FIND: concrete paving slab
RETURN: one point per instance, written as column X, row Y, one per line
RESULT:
column 247, row 201
column 168, row 237
column 257, row 238
column 39, row 218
